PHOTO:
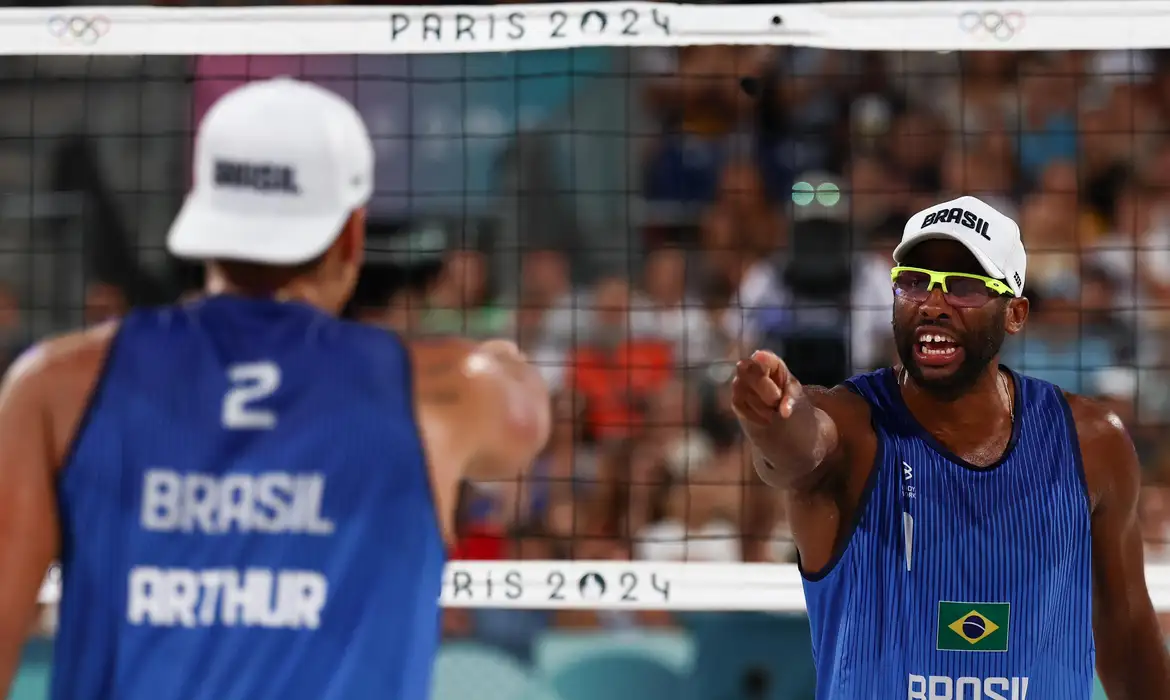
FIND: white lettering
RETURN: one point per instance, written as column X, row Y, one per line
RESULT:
column 992, row 687
column 235, row 503
column 270, row 503
column 252, row 598
column 144, row 599
column 966, row 688
column 200, row 495
column 160, row 500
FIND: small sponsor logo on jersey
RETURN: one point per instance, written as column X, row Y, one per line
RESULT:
column 973, row 626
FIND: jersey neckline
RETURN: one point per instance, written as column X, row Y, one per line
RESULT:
column 936, row 445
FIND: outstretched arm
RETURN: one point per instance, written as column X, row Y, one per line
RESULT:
column 1131, row 653
column 794, row 430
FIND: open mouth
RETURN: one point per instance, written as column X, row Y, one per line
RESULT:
column 935, row 348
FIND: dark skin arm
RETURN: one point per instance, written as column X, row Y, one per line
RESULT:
column 791, row 436
column 1131, row 655
column 816, row 444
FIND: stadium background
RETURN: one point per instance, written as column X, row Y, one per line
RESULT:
column 628, row 216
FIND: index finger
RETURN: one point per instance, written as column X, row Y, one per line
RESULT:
column 771, row 363
column 750, row 369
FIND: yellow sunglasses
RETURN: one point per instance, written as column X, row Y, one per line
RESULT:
column 960, row 288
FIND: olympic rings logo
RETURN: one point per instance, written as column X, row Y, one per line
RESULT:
column 78, row 30
column 1002, row 26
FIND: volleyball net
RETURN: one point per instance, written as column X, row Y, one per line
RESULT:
column 638, row 193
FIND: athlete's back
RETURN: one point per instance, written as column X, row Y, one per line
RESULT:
column 960, row 581
column 249, row 483
column 237, row 488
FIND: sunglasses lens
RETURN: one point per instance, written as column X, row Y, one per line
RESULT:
column 967, row 292
column 912, row 285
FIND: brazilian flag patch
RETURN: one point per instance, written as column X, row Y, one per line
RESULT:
column 973, row 626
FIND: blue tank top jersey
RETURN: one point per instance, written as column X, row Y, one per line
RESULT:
column 247, row 514
column 958, row 582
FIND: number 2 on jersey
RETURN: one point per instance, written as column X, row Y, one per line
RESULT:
column 252, row 382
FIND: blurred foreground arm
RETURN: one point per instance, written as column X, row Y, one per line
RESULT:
column 485, row 405
column 791, row 437
column 28, row 509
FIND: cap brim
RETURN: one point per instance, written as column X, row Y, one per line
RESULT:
column 989, row 267
column 201, row 232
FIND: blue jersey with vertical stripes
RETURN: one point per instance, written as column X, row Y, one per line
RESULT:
column 959, row 582
column 247, row 514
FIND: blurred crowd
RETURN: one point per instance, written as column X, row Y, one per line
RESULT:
column 644, row 234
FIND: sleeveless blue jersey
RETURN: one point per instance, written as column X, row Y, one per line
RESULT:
column 958, row 582
column 247, row 514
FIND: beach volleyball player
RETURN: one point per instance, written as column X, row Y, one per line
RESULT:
column 249, row 496
column 964, row 531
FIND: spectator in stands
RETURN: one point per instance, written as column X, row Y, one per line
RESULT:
column 1058, row 346
column 871, row 336
column 545, row 289
column 615, row 366
column 462, row 299
column 1104, row 162
column 675, row 315
column 699, row 519
column 1047, row 129
column 915, row 147
column 706, row 120
column 979, row 173
column 875, row 193
column 103, row 302
column 984, row 98
column 1046, row 226
column 1060, row 183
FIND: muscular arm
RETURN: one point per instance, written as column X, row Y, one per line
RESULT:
column 484, row 407
column 786, row 452
column 28, row 509
column 795, row 431
column 1131, row 653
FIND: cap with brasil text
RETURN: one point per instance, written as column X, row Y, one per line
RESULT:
column 992, row 237
column 279, row 166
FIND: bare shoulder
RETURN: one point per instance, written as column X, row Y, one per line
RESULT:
column 57, row 376
column 1107, row 451
column 62, row 359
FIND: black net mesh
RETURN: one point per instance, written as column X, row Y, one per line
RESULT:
column 637, row 223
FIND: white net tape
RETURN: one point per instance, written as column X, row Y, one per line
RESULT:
column 860, row 26
column 608, row 585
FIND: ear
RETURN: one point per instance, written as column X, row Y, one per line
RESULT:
column 1015, row 315
column 353, row 238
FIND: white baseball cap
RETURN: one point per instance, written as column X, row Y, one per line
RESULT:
column 279, row 166
column 992, row 237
